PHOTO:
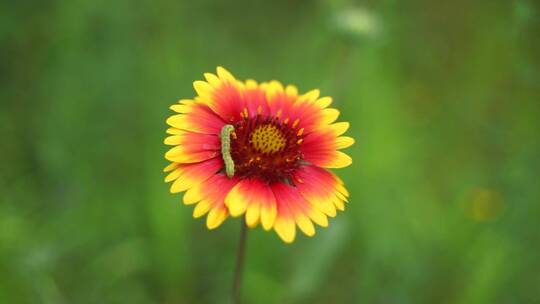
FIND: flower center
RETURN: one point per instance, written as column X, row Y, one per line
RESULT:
column 266, row 148
column 267, row 139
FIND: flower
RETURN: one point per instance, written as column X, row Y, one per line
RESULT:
column 259, row 150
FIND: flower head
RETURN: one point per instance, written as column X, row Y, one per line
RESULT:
column 258, row 150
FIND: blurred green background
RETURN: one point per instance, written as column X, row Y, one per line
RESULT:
column 443, row 98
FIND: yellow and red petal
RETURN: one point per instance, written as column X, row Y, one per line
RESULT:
column 200, row 119
column 190, row 154
column 170, row 167
column 222, row 94
column 323, row 102
column 254, row 198
column 201, row 208
column 329, row 159
column 174, row 131
column 279, row 101
column 323, row 189
column 310, row 96
column 187, row 176
column 192, row 147
column 314, row 117
column 210, row 195
column 216, row 217
column 343, row 142
column 256, row 102
column 304, row 112
column 293, row 209
column 203, row 141
column 321, row 147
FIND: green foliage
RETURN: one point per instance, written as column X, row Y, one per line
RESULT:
column 443, row 100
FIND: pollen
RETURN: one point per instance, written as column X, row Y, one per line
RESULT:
column 268, row 139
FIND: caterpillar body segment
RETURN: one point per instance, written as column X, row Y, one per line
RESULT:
column 225, row 136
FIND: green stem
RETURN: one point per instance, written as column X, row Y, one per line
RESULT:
column 238, row 270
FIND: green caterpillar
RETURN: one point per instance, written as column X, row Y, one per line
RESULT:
column 226, row 149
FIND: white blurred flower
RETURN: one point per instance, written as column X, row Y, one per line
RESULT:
column 358, row 22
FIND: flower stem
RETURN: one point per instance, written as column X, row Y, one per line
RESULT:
column 238, row 270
